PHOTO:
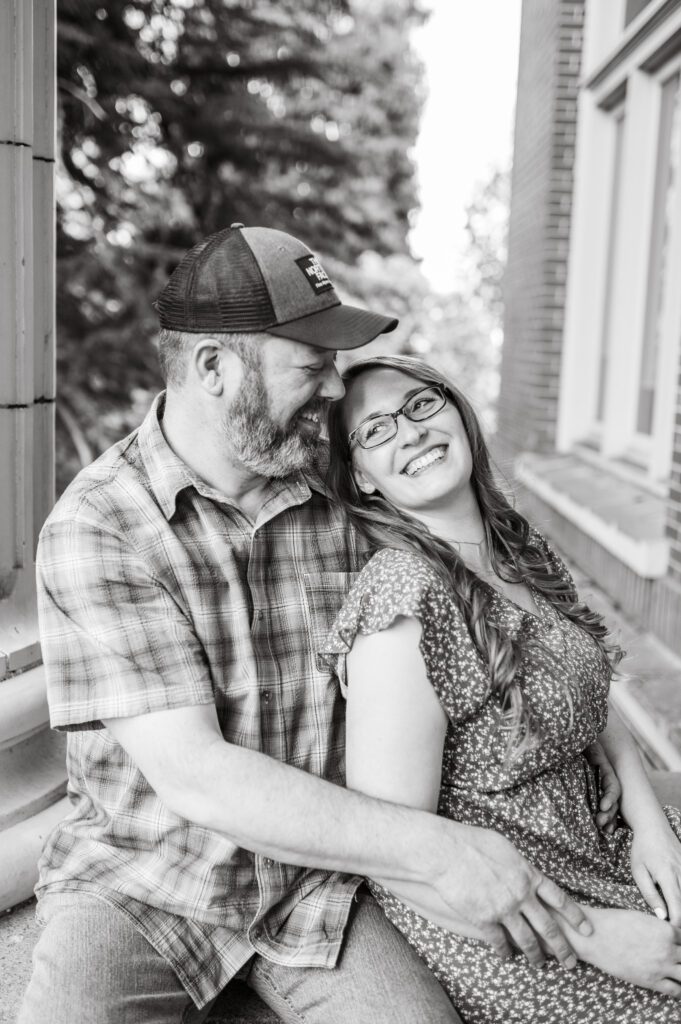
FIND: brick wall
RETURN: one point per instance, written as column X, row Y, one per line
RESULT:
column 534, row 287
column 673, row 529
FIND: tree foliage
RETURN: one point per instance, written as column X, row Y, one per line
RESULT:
column 487, row 229
column 178, row 117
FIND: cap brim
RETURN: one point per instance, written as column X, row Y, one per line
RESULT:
column 340, row 327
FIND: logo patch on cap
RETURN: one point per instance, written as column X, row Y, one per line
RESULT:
column 314, row 274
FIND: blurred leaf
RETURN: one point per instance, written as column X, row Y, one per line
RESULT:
column 178, row 117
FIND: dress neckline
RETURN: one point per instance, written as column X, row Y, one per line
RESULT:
column 542, row 614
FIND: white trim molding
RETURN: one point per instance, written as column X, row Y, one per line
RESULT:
column 647, row 556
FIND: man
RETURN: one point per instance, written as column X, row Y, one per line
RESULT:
column 184, row 578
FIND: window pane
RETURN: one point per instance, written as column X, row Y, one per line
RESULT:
column 634, row 7
column 612, row 249
column 666, row 183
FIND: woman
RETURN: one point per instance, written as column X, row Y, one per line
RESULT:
column 475, row 680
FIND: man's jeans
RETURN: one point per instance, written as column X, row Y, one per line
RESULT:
column 92, row 966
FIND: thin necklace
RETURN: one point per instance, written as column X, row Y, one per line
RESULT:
column 477, row 544
column 478, row 552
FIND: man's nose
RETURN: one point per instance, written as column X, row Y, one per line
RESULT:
column 331, row 387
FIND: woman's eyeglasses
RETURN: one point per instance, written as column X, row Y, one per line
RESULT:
column 376, row 430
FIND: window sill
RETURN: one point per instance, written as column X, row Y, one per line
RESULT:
column 622, row 516
column 626, row 466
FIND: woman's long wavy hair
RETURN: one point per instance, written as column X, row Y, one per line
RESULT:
column 516, row 555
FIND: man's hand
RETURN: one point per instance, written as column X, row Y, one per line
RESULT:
column 610, row 790
column 508, row 901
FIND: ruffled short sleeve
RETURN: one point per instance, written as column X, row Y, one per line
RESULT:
column 394, row 584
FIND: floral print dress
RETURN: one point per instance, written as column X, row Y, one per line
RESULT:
column 543, row 801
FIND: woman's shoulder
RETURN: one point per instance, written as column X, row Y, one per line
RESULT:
column 398, row 576
column 400, row 564
column 394, row 583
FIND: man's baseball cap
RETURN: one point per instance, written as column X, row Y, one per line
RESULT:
column 260, row 279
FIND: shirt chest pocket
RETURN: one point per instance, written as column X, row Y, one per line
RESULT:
column 325, row 593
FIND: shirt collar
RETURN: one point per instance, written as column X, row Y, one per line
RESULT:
column 169, row 474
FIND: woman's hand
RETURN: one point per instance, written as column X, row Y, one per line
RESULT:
column 656, row 867
column 633, row 946
column 610, row 791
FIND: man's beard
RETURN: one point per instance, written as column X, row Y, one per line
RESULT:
column 256, row 441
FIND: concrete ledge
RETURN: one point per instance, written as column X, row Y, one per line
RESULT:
column 20, row 850
column 19, row 640
column 652, row 739
column 623, row 518
column 23, row 707
column 33, row 775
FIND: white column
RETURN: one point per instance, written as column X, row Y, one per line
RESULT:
column 31, row 757
column 44, row 148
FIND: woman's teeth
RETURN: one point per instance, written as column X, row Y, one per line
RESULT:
column 423, row 461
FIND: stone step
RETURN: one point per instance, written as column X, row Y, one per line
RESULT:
column 23, row 706
column 20, row 849
column 32, row 781
column 32, row 776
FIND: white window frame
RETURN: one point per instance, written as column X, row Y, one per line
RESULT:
column 656, row 449
column 592, row 282
column 617, row 132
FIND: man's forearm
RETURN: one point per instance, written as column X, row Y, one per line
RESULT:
column 294, row 817
column 474, row 875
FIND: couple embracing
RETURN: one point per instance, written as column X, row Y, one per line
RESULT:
column 331, row 708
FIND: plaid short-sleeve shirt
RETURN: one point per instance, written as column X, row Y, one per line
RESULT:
column 155, row 592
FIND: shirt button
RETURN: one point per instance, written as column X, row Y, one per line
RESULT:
column 268, row 862
column 266, row 696
column 260, row 615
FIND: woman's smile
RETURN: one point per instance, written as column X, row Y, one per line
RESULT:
column 421, row 463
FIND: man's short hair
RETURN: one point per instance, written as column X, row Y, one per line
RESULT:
column 176, row 347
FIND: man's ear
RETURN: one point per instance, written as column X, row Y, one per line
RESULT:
column 213, row 365
column 363, row 482
column 207, row 363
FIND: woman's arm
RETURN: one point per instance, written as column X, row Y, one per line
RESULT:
column 655, row 851
column 395, row 724
column 395, row 735
column 639, row 805
column 395, row 732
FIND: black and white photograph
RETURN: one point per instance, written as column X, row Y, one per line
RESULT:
column 340, row 512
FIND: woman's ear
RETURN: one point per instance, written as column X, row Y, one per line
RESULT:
column 363, row 482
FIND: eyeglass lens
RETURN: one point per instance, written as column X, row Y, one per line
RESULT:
column 420, row 406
